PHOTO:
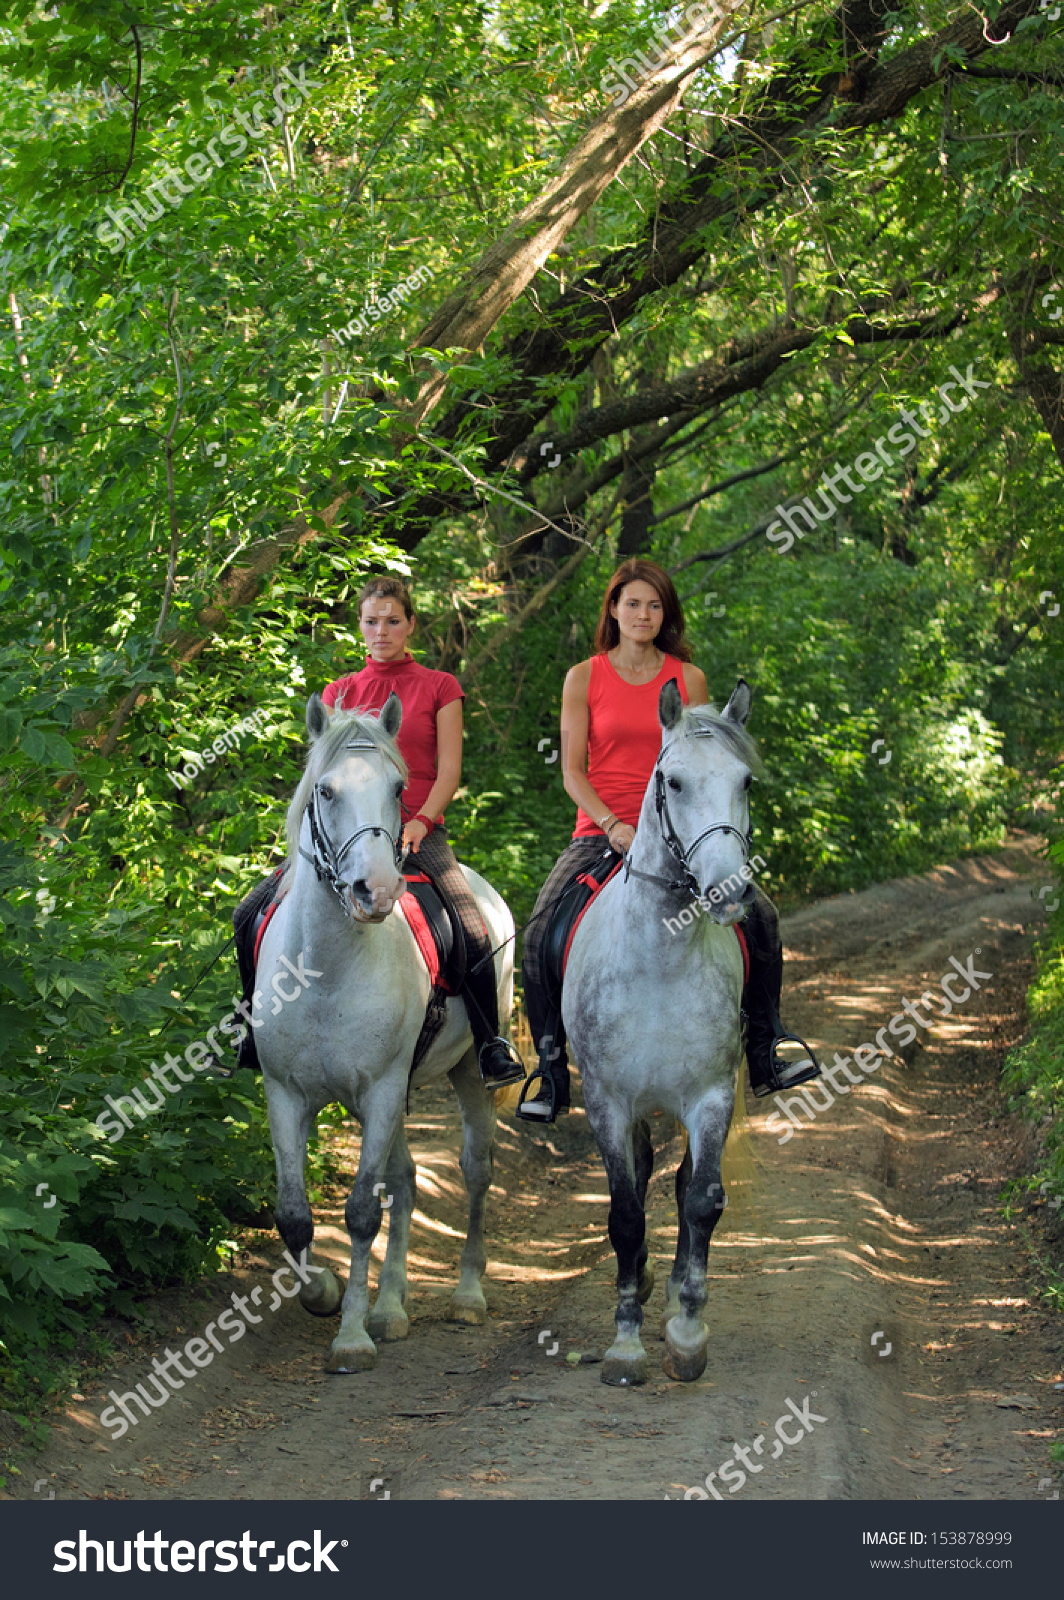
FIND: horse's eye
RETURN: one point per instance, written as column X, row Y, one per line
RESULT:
column 399, row 788
column 747, row 781
column 674, row 783
column 325, row 792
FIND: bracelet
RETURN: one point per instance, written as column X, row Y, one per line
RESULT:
column 605, row 819
column 419, row 816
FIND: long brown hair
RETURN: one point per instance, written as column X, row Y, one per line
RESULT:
column 670, row 639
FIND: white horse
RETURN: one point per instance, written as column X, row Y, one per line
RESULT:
column 654, row 1016
column 362, row 992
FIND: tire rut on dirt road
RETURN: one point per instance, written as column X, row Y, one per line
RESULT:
column 881, row 1217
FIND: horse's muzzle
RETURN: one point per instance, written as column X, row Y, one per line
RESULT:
column 727, row 907
column 373, row 904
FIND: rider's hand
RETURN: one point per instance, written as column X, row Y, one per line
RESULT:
column 413, row 834
column 620, row 838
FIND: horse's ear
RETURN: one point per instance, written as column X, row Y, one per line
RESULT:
column 738, row 707
column 670, row 706
column 392, row 715
column 317, row 717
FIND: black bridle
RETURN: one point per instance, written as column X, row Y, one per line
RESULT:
column 688, row 883
column 327, row 859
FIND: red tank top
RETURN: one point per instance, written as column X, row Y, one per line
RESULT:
column 623, row 738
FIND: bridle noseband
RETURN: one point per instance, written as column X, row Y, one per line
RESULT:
column 688, row 883
column 326, row 859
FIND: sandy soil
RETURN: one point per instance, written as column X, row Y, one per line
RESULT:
column 884, row 1217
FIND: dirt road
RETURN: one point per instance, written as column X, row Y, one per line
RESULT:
column 882, row 1218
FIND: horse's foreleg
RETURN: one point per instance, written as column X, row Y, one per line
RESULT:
column 477, row 1159
column 683, row 1241
column 643, row 1156
column 353, row 1350
column 290, row 1119
column 625, row 1361
column 388, row 1319
column 686, row 1335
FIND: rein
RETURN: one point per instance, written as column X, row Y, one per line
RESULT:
column 327, row 860
column 688, row 883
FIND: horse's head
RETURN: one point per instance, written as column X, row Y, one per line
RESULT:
column 348, row 800
column 701, row 795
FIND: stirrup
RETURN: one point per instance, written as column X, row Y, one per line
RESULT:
column 503, row 1080
column 787, row 1075
column 540, row 1109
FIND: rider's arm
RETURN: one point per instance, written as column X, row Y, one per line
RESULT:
column 574, row 743
column 448, row 759
column 694, row 681
column 448, row 771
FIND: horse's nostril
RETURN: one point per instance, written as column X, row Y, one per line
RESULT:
column 361, row 889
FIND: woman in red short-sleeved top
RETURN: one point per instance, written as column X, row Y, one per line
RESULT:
column 611, row 738
column 430, row 741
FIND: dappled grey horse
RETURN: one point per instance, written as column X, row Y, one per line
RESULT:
column 653, row 1015
column 362, row 992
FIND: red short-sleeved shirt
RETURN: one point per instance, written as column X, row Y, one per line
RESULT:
column 422, row 692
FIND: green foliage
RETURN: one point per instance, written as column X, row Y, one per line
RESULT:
column 1034, row 1071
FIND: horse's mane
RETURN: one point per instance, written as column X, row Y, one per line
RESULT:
column 731, row 734
column 343, row 727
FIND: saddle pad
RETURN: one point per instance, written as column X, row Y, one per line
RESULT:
column 424, row 934
column 267, row 918
column 744, row 947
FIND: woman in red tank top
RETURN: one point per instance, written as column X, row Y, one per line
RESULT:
column 611, row 737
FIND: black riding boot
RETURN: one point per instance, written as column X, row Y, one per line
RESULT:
column 499, row 1062
column 769, row 1072
column 552, row 1070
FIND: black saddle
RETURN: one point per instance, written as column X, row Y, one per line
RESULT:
column 568, row 908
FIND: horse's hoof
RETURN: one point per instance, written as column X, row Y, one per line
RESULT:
column 470, row 1309
column 646, row 1284
column 686, row 1349
column 625, row 1363
column 323, row 1294
column 352, row 1358
column 387, row 1326
column 624, row 1374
